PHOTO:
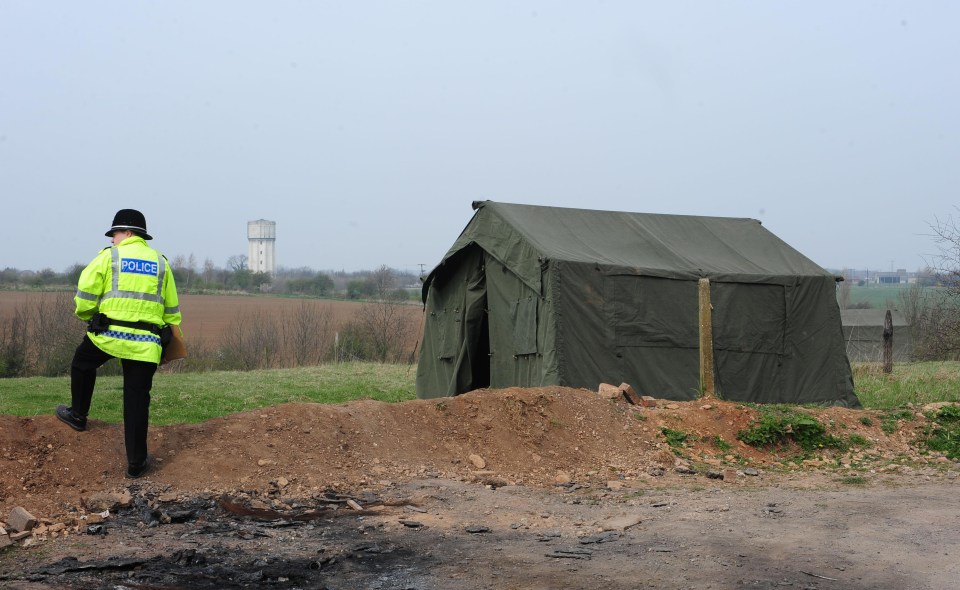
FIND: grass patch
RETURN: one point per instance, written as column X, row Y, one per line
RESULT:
column 856, row 440
column 854, row 480
column 777, row 425
column 720, row 444
column 889, row 420
column 195, row 397
column 675, row 438
column 944, row 435
column 916, row 383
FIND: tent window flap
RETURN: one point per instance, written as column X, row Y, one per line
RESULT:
column 525, row 326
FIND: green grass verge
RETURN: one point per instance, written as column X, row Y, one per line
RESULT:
column 916, row 383
column 194, row 397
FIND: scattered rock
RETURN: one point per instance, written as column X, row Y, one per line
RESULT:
column 562, row 478
column 620, row 523
column 478, row 461
column 21, row 535
column 608, row 391
column 489, row 478
column 103, row 501
column 601, row 538
column 476, row 528
column 570, row 554
column 21, row 520
column 773, row 509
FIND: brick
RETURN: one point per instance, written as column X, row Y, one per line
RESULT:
column 20, row 536
column 21, row 520
column 5, row 540
column 630, row 393
column 648, row 402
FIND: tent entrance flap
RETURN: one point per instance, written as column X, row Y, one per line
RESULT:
column 456, row 330
column 473, row 363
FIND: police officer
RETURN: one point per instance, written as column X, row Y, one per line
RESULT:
column 127, row 295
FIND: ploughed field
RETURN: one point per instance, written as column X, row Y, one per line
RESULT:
column 208, row 318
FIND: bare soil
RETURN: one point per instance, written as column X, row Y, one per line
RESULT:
column 514, row 488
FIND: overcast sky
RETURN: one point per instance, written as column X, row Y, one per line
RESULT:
column 365, row 129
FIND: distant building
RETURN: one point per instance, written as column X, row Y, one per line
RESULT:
column 863, row 333
column 878, row 277
column 262, row 235
column 900, row 276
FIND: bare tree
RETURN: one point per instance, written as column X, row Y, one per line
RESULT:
column 13, row 344
column 308, row 333
column 936, row 327
column 209, row 271
column 384, row 326
column 237, row 262
column 55, row 326
column 383, row 280
column 252, row 342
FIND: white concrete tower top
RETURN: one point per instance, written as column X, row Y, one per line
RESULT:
column 261, row 235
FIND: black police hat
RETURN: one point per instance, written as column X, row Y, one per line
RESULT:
column 130, row 219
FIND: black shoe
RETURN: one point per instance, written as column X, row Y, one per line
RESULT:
column 68, row 417
column 137, row 471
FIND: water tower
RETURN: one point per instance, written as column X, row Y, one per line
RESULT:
column 261, row 235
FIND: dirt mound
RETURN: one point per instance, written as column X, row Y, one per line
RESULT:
column 532, row 437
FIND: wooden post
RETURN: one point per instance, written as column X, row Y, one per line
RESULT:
column 707, row 387
column 888, row 343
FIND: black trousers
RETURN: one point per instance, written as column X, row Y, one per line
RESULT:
column 137, row 383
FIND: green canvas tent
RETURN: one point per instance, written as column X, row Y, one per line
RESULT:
column 531, row 296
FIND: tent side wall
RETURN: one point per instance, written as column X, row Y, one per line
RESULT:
column 776, row 340
column 617, row 328
column 816, row 368
column 522, row 351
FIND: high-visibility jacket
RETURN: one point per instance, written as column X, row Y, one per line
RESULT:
column 130, row 282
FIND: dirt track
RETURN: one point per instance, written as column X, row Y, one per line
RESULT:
column 536, row 474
